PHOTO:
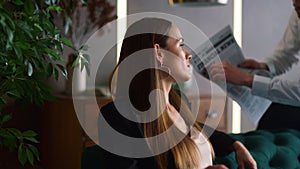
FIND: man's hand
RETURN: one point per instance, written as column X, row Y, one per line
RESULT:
column 219, row 71
column 253, row 64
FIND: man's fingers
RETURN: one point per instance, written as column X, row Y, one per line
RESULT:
column 246, row 64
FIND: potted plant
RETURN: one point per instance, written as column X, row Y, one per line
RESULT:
column 31, row 48
column 30, row 51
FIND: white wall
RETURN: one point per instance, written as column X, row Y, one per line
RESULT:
column 263, row 25
column 208, row 19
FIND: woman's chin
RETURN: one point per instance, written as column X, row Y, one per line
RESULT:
column 184, row 79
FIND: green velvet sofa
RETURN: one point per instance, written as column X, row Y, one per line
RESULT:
column 278, row 149
column 271, row 149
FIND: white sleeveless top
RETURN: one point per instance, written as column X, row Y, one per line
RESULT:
column 203, row 146
column 200, row 140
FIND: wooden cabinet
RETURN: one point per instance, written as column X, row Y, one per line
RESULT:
column 213, row 112
column 62, row 137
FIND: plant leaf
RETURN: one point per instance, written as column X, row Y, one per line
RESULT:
column 87, row 68
column 56, row 74
column 84, row 47
column 31, row 139
column 68, row 24
column 86, row 58
column 49, row 69
column 17, row 2
column 76, row 61
column 14, row 93
column 53, row 53
column 38, row 26
column 22, row 154
column 5, row 134
column 54, row 8
column 3, row 100
column 66, row 41
column 25, row 28
column 35, row 151
column 28, row 7
column 9, row 19
column 29, row 133
column 30, row 156
column 18, row 52
column 23, row 45
column 63, row 70
column 6, row 118
column 15, row 132
column 30, row 69
column 10, row 34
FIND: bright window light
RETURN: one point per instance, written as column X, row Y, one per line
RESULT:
column 237, row 32
column 121, row 23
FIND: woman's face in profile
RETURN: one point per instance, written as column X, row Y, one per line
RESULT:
column 176, row 57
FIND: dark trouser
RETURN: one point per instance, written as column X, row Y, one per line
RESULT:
column 279, row 116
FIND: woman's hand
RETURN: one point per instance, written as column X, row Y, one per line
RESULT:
column 253, row 64
column 218, row 166
column 243, row 157
column 219, row 71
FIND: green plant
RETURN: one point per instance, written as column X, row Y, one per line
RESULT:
column 80, row 19
column 30, row 51
column 31, row 48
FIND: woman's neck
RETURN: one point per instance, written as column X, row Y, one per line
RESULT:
column 166, row 88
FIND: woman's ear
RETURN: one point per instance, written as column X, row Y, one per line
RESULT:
column 157, row 52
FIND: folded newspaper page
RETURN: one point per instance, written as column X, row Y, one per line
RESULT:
column 222, row 47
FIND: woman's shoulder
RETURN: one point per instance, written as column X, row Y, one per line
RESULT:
column 110, row 113
column 115, row 117
column 107, row 107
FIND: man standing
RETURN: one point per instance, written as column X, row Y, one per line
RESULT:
column 285, row 94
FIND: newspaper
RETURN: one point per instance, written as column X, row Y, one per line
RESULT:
column 222, row 47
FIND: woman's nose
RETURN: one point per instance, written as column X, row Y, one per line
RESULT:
column 188, row 56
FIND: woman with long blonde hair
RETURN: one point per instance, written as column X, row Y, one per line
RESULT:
column 147, row 108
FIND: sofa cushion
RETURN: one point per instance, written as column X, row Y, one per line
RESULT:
column 270, row 149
